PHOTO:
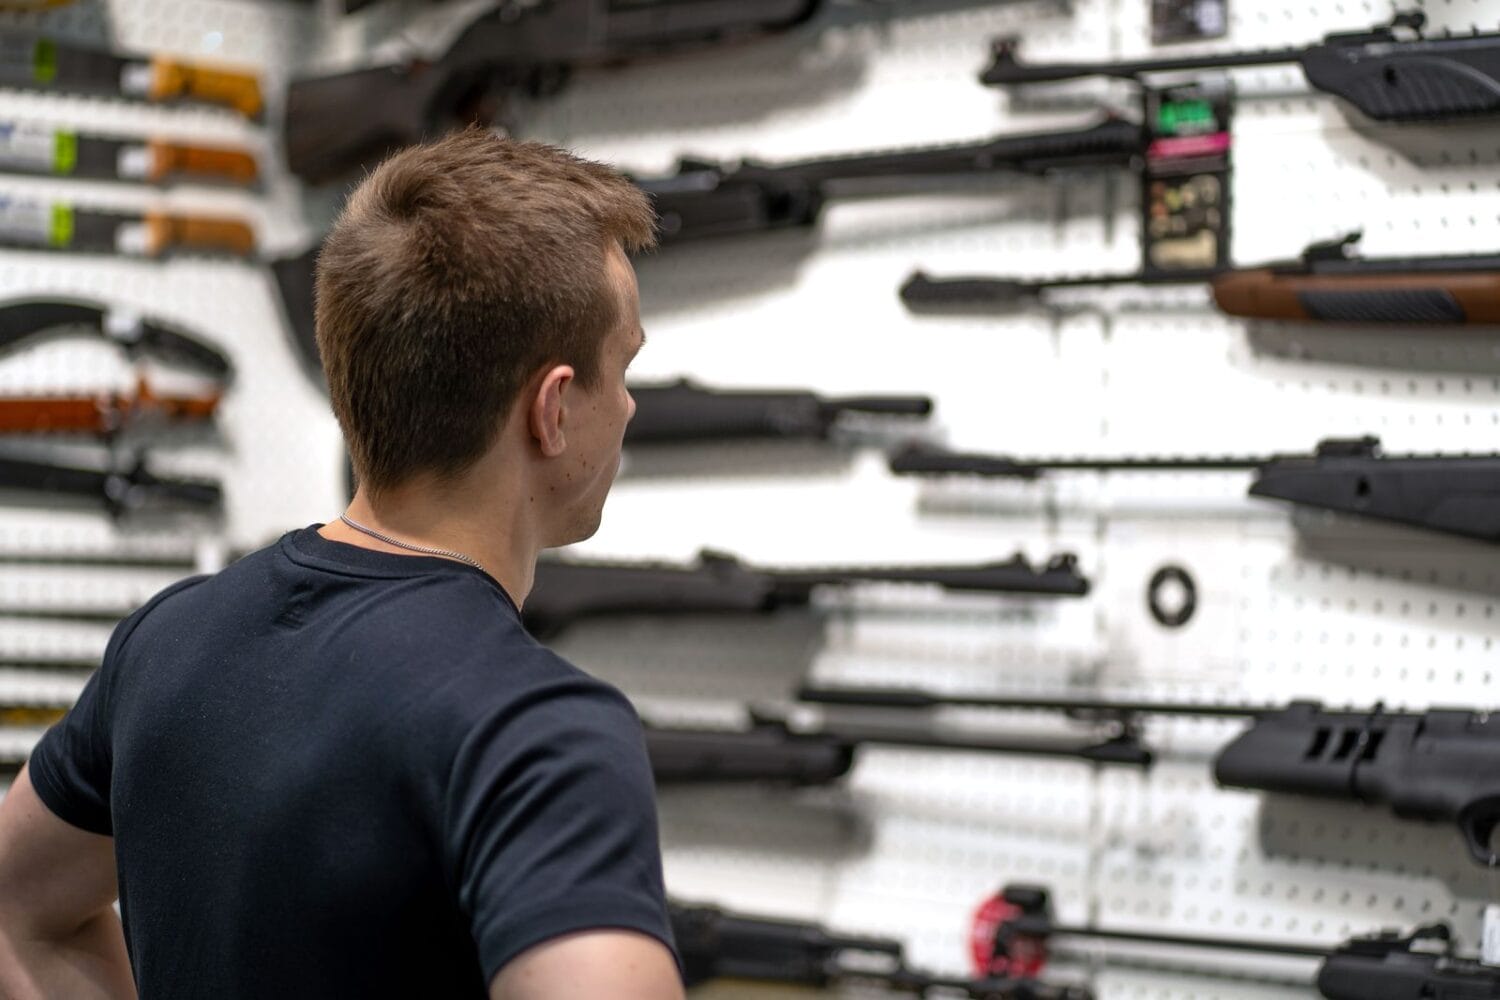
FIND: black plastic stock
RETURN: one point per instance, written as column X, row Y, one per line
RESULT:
column 1441, row 765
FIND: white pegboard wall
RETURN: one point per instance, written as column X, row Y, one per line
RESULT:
column 1291, row 604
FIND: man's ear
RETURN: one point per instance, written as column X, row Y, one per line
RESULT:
column 548, row 411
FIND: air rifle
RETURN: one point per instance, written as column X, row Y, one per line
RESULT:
column 121, row 489
column 770, row 750
column 1328, row 284
column 715, row 944
column 38, row 63
column 42, row 224
column 1390, row 72
column 34, row 148
column 334, row 124
column 1381, row 966
column 565, row 591
column 568, row 590
column 1453, row 494
column 105, row 413
column 684, row 411
column 1438, row 765
column 707, row 199
column 27, row 321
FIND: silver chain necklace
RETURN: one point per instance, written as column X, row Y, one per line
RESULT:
column 425, row 550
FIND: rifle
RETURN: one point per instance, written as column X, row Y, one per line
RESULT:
column 567, row 590
column 683, row 411
column 715, row 944
column 59, row 225
column 45, row 64
column 707, row 199
column 1384, row 72
column 771, row 750
column 1438, row 765
column 121, row 490
column 337, row 123
column 28, row 320
column 106, row 413
column 1452, row 494
column 1328, row 284
column 1382, row 966
column 33, row 148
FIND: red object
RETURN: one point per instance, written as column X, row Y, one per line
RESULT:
column 996, row 952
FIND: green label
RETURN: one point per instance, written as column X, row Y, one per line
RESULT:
column 1171, row 117
column 61, row 234
column 44, row 61
column 65, row 152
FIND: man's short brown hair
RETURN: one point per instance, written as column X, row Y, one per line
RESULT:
column 455, row 272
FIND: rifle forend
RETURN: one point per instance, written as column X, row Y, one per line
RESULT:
column 684, row 411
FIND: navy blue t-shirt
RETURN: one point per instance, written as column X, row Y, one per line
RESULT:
column 335, row 772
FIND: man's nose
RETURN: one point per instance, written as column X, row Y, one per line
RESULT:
column 630, row 409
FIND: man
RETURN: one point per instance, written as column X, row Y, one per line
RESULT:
column 341, row 768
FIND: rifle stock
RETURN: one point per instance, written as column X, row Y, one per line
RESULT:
column 1443, row 765
column 1418, row 298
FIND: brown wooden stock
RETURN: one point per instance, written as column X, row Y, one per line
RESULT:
column 30, row 715
column 1260, row 293
column 171, row 79
column 197, row 232
column 169, row 159
column 105, row 413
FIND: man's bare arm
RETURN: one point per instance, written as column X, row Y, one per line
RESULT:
column 591, row 965
column 59, row 934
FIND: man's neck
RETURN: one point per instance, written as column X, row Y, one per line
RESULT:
column 499, row 539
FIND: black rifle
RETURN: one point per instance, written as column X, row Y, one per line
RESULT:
column 1389, row 76
column 1382, row 966
column 565, row 591
column 1327, row 284
column 122, row 490
column 27, row 321
column 709, row 199
column 770, row 750
column 336, row 123
column 715, row 944
column 685, row 411
column 1453, row 494
column 1438, row 765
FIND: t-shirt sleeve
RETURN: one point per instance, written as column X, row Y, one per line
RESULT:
column 71, row 766
column 551, row 823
